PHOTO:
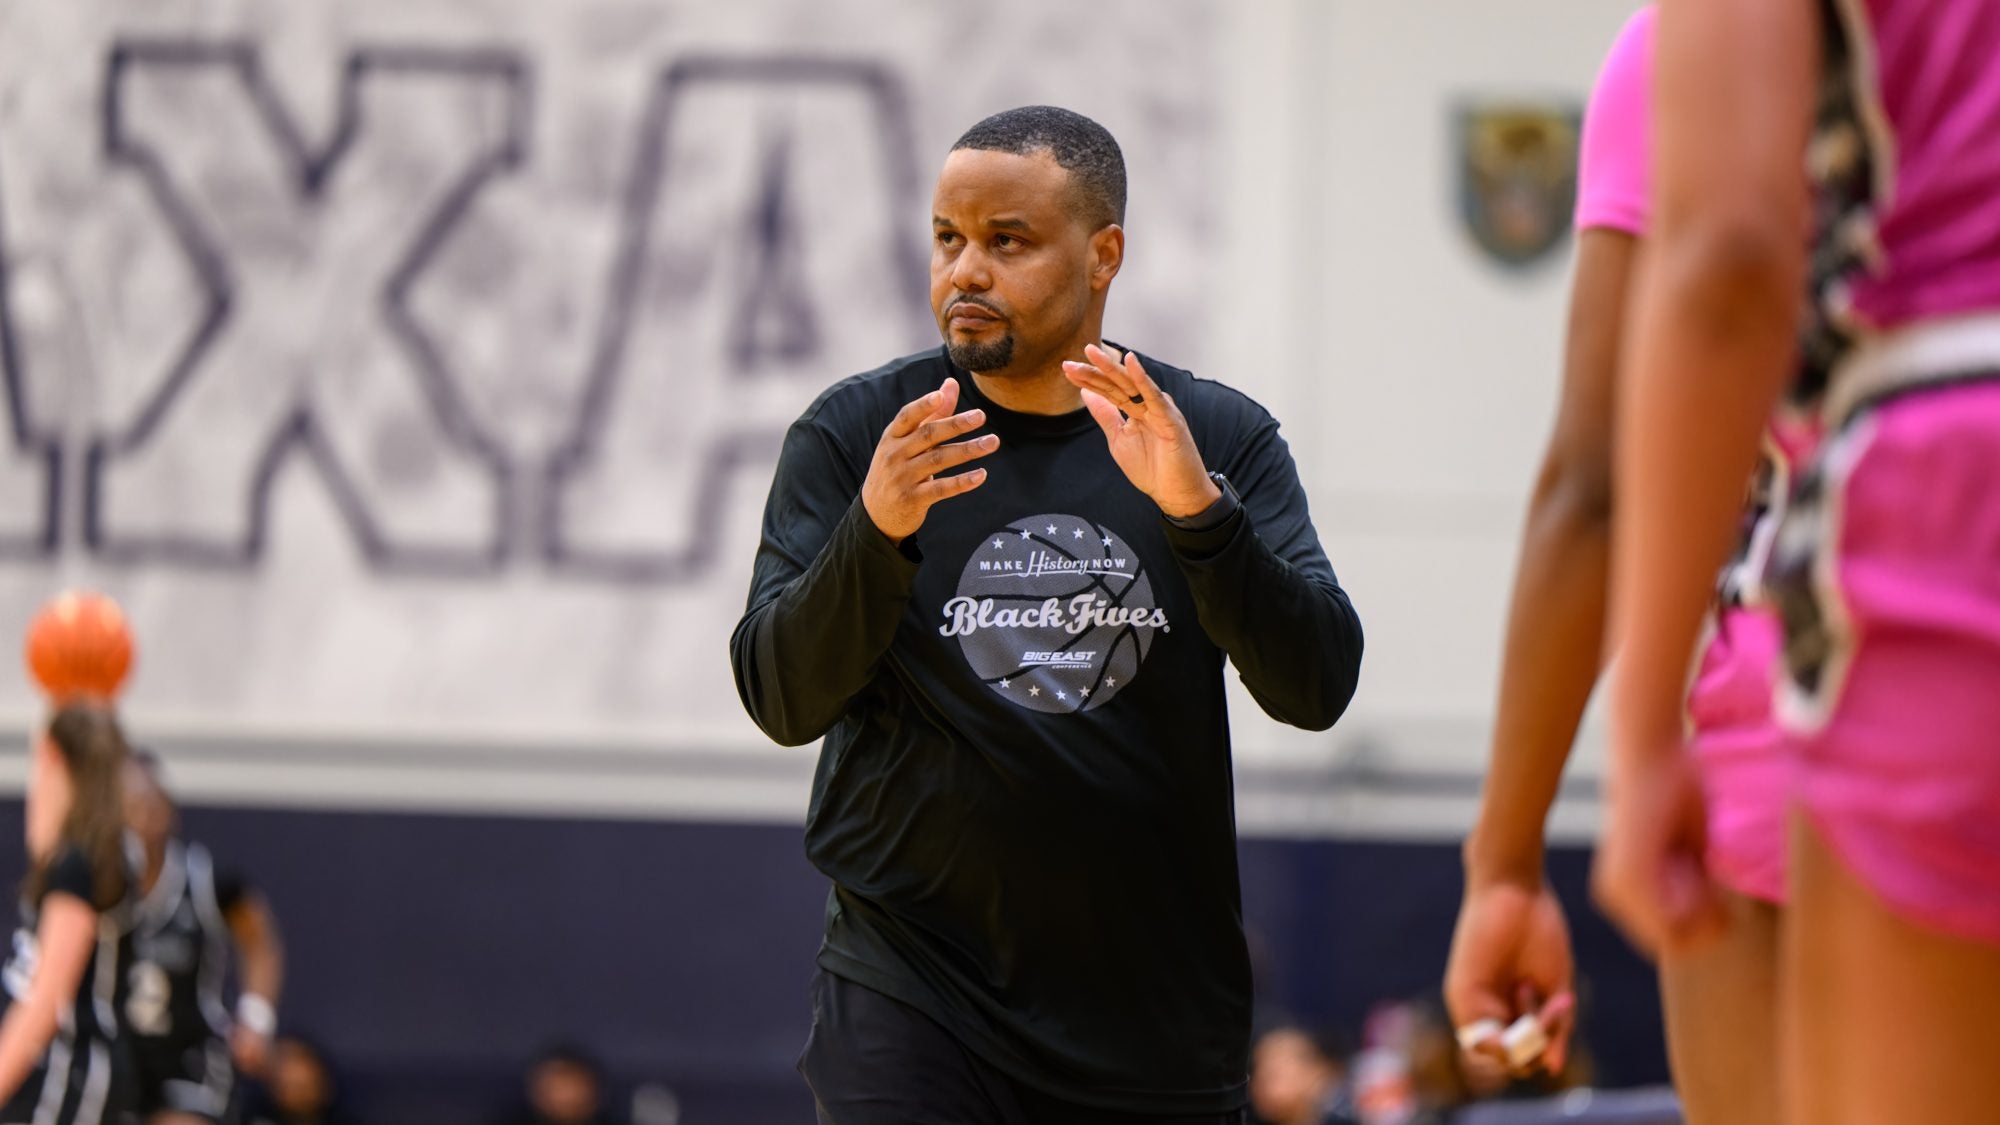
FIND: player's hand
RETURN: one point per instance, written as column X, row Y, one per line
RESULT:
column 1510, row 957
column 1651, row 872
column 903, row 480
column 1149, row 436
column 252, row 1051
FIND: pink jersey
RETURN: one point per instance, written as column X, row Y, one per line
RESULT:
column 1611, row 178
column 1907, row 159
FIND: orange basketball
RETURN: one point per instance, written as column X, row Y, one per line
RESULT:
column 80, row 646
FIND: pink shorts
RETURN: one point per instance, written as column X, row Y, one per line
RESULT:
column 1892, row 633
column 1745, row 769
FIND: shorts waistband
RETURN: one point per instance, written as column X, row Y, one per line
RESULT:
column 1947, row 350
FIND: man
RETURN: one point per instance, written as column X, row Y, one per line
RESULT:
column 1024, row 799
column 187, row 921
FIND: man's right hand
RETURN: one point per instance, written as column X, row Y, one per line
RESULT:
column 903, row 480
column 1510, row 957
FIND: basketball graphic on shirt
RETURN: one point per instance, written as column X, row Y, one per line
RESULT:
column 1055, row 613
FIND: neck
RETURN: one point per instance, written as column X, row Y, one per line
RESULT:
column 1043, row 391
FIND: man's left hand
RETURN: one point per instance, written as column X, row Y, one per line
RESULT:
column 1148, row 435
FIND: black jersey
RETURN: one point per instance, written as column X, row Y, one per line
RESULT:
column 175, row 1014
column 1024, row 798
column 180, row 953
column 85, row 1077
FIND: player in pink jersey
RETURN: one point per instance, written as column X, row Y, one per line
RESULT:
column 1720, row 1001
column 1888, row 565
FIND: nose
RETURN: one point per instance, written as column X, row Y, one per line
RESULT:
column 972, row 271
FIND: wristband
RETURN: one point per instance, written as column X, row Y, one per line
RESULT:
column 256, row 1014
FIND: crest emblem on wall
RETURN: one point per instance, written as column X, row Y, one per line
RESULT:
column 1517, row 176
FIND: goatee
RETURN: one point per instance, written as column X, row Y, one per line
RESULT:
column 989, row 355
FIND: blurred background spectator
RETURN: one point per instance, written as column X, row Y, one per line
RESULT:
column 302, row 1088
column 1298, row 1077
column 564, row 1086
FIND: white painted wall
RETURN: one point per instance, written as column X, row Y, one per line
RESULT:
column 1301, row 239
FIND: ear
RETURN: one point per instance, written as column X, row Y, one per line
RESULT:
column 1107, row 254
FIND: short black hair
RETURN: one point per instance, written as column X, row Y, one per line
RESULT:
column 570, row 1054
column 1082, row 147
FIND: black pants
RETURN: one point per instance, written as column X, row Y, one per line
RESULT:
column 872, row 1060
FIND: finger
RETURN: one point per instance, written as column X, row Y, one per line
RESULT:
column 1472, row 1000
column 1526, row 997
column 944, row 488
column 1104, row 358
column 956, row 453
column 1558, row 1018
column 1085, row 376
column 1481, row 1038
column 1114, row 366
column 1142, row 383
column 940, row 430
column 917, row 410
column 1107, row 416
column 1164, row 412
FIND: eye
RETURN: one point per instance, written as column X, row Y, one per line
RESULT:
column 947, row 238
column 1006, row 241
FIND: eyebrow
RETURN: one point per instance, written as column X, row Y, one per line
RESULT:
column 1001, row 224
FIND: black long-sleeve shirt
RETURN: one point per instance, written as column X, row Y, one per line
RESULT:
column 1024, row 800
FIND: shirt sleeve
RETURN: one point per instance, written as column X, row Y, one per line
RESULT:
column 827, row 592
column 1612, row 179
column 1264, row 590
column 70, row 873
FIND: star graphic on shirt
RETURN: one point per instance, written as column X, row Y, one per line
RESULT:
column 1052, row 529
column 998, row 543
column 1062, row 695
column 1034, row 689
column 1110, row 681
column 1084, row 692
column 1024, row 533
column 1078, row 533
column 1004, row 683
column 1107, row 541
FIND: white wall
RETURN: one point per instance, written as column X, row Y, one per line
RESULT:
column 1294, row 230
column 1415, row 375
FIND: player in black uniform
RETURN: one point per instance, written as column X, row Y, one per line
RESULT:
column 186, row 921
column 1010, row 623
column 61, row 1062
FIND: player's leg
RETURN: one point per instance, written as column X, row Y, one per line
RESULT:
column 1721, row 1016
column 873, row 1060
column 1720, row 1002
column 1884, row 1019
column 176, row 1117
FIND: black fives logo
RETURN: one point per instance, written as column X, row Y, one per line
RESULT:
column 1054, row 613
